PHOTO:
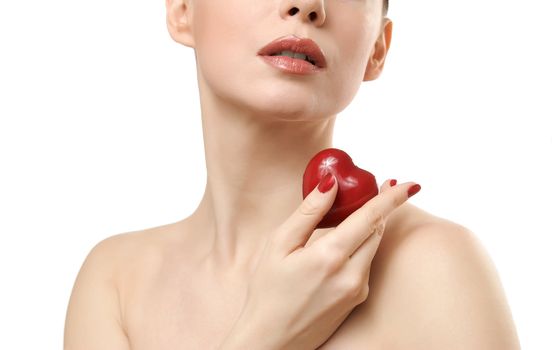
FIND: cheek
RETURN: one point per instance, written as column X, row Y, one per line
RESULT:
column 226, row 56
column 355, row 43
column 346, row 80
column 220, row 35
column 354, row 46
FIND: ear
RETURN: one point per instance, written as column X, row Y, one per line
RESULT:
column 381, row 47
column 179, row 21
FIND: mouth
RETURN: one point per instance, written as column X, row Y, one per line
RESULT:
column 294, row 47
column 296, row 55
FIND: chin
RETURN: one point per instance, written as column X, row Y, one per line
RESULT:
column 277, row 100
column 285, row 107
column 291, row 103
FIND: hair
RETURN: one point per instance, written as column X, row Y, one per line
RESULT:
column 385, row 7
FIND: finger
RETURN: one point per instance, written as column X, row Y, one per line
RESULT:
column 323, row 231
column 297, row 229
column 356, row 228
column 361, row 260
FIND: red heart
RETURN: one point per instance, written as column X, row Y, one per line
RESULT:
column 356, row 186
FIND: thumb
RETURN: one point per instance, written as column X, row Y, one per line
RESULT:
column 297, row 229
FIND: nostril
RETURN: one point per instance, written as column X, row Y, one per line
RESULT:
column 312, row 15
column 293, row 11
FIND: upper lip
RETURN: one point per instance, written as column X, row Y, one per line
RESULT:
column 300, row 45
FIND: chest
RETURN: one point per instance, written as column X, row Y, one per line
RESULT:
column 168, row 304
column 178, row 310
column 167, row 315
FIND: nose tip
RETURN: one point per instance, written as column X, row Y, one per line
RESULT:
column 313, row 12
column 312, row 15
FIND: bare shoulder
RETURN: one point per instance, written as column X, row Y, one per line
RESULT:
column 115, row 264
column 109, row 259
column 142, row 247
column 438, row 289
column 113, row 255
column 432, row 286
column 136, row 257
column 93, row 318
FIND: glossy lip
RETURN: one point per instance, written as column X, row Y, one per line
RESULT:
column 293, row 43
column 291, row 65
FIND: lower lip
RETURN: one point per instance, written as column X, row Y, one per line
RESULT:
column 291, row 65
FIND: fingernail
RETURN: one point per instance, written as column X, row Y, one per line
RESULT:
column 413, row 190
column 392, row 182
column 326, row 183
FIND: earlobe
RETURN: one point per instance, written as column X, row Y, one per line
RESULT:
column 179, row 21
column 376, row 61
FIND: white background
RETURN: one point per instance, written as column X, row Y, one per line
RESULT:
column 100, row 134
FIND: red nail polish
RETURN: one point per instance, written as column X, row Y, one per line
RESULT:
column 413, row 190
column 326, row 183
column 392, row 182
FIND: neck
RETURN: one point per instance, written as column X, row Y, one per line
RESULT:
column 255, row 164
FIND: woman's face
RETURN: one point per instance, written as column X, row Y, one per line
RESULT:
column 227, row 35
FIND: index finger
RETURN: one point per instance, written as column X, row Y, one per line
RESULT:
column 363, row 222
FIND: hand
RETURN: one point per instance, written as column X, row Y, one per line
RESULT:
column 299, row 295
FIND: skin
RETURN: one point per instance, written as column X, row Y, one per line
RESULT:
column 256, row 149
column 181, row 285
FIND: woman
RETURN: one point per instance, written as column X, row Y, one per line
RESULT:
column 247, row 269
